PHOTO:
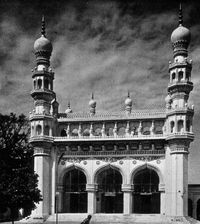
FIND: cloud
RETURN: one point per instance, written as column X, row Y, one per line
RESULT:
column 105, row 47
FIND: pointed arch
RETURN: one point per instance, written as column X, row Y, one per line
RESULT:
column 149, row 166
column 71, row 167
column 105, row 167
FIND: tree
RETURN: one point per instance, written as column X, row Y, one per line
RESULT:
column 18, row 182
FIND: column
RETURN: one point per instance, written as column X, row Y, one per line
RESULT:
column 194, row 211
column 162, row 198
column 59, row 196
column 53, row 180
column 41, row 167
column 179, row 184
column 91, row 189
column 127, row 189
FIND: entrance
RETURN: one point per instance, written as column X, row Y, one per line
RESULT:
column 109, row 195
column 198, row 209
column 75, row 195
column 146, row 197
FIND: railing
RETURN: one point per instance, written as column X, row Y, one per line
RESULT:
column 115, row 153
column 109, row 137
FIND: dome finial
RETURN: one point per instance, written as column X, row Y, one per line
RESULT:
column 180, row 16
column 128, row 94
column 92, row 96
column 43, row 26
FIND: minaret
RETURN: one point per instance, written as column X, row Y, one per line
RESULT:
column 43, row 120
column 179, row 123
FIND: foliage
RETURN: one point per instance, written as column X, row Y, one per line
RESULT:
column 18, row 182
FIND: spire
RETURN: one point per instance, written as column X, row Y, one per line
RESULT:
column 180, row 16
column 69, row 105
column 128, row 94
column 92, row 96
column 43, row 26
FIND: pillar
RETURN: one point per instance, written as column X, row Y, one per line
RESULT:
column 42, row 168
column 179, row 183
column 91, row 189
column 127, row 189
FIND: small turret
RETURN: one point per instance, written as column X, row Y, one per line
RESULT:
column 128, row 104
column 68, row 110
column 92, row 105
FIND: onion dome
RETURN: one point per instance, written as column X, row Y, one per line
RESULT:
column 180, row 37
column 43, row 44
column 43, row 47
column 68, row 110
column 181, row 34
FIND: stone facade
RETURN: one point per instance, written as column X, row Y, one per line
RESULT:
column 127, row 162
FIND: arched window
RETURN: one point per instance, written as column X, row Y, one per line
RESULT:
column 187, row 76
column 188, row 125
column 198, row 210
column 109, row 132
column 97, row 132
column 86, row 132
column 75, row 132
column 46, row 130
column 38, row 129
column 173, row 77
column 190, row 207
column 146, row 195
column 34, row 84
column 75, row 194
column 63, row 133
column 39, row 83
column 180, row 76
column 32, row 130
column 122, row 131
column 146, row 131
column 109, row 192
column 46, row 83
column 172, row 127
column 180, row 126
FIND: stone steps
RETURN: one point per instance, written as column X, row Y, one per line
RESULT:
column 112, row 219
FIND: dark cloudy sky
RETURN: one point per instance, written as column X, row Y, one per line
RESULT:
column 105, row 47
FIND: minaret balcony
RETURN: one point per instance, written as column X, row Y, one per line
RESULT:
column 41, row 92
column 183, row 110
column 180, row 135
column 40, row 116
column 180, row 86
column 41, row 138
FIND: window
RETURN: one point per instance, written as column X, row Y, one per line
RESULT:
column 39, row 83
column 38, row 130
column 63, row 133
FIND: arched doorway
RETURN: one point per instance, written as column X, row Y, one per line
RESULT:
column 146, row 197
column 75, row 194
column 109, row 195
column 190, row 207
column 198, row 209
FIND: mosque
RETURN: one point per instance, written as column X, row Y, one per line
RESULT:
column 120, row 163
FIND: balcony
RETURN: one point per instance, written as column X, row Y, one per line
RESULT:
column 106, row 138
